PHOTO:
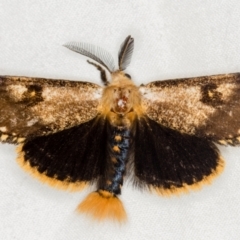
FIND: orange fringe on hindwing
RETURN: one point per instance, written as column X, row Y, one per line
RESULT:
column 195, row 186
column 53, row 182
column 103, row 205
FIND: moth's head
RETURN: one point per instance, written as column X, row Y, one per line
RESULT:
column 120, row 98
column 105, row 60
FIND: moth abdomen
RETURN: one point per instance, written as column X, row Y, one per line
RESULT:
column 119, row 142
column 104, row 203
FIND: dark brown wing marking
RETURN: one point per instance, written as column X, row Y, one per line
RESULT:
column 37, row 106
column 204, row 106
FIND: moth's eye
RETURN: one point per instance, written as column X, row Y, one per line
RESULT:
column 127, row 75
column 129, row 91
column 114, row 90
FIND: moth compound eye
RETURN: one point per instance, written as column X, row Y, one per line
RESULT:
column 127, row 75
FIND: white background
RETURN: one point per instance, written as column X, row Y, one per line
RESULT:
column 172, row 39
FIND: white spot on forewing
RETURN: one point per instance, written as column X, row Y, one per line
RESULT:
column 4, row 137
column 97, row 93
column 31, row 122
column 78, row 117
column 226, row 90
column 3, row 129
column 13, row 121
column 144, row 90
column 16, row 91
column 19, row 140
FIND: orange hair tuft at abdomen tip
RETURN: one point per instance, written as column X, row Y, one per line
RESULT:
column 103, row 205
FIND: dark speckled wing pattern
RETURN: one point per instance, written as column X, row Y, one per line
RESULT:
column 206, row 106
column 31, row 107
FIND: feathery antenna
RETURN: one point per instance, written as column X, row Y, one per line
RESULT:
column 125, row 53
column 96, row 53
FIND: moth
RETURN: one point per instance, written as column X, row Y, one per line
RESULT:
column 161, row 135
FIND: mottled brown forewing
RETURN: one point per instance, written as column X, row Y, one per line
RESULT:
column 204, row 106
column 37, row 106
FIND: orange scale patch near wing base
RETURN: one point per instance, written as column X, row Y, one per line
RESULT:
column 53, row 182
column 207, row 180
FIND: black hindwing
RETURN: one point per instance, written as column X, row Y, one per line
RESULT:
column 165, row 158
column 73, row 155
